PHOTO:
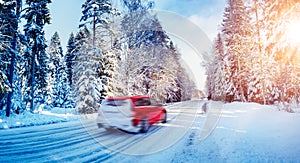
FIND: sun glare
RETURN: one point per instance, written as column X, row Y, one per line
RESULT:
column 293, row 32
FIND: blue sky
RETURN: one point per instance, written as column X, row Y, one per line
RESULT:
column 65, row 16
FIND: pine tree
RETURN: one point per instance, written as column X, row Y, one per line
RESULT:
column 106, row 72
column 97, row 13
column 237, row 35
column 9, row 16
column 279, row 46
column 36, row 15
column 135, row 22
column 150, row 63
column 87, row 84
column 100, row 14
column 56, row 67
column 69, row 58
column 59, row 87
column 217, row 72
column 4, row 89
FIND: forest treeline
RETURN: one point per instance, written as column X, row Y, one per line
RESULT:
column 116, row 52
column 257, row 53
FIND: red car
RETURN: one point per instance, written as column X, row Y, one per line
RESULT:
column 130, row 113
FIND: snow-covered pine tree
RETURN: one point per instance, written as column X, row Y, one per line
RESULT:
column 135, row 59
column 59, row 85
column 36, row 16
column 97, row 13
column 69, row 58
column 116, row 88
column 260, row 68
column 217, row 71
column 6, row 13
column 185, row 88
column 149, row 61
column 4, row 89
column 86, row 82
column 106, row 72
column 52, row 51
column 9, row 20
column 236, row 32
column 279, row 16
column 134, row 21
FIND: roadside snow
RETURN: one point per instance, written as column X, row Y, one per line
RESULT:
column 245, row 132
column 39, row 118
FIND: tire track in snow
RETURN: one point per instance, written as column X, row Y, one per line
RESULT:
column 35, row 130
column 32, row 140
column 69, row 142
column 35, row 139
column 44, row 149
column 61, row 146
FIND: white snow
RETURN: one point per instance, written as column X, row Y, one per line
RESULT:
column 244, row 132
column 40, row 117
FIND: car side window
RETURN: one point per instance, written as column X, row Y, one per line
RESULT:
column 143, row 102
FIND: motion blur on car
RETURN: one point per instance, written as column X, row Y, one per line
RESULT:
column 130, row 113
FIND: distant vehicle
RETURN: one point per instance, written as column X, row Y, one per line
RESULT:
column 130, row 113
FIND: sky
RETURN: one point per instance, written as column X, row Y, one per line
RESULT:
column 206, row 14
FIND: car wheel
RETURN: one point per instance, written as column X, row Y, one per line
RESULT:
column 164, row 118
column 145, row 125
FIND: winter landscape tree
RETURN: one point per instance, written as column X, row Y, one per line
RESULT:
column 69, row 58
column 59, row 88
column 9, row 19
column 97, row 13
column 36, row 16
column 149, row 60
column 100, row 13
column 218, row 81
column 260, row 51
column 87, row 84
column 130, row 56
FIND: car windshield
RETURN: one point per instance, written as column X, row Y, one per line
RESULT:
column 115, row 102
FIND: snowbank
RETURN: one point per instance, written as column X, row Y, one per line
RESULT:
column 246, row 132
column 39, row 118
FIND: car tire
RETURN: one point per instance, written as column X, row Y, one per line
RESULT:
column 145, row 125
column 164, row 118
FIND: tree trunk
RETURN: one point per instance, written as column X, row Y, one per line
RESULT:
column 260, row 54
column 32, row 80
column 94, row 29
column 11, row 77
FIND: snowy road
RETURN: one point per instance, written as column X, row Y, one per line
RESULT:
column 234, row 132
column 82, row 141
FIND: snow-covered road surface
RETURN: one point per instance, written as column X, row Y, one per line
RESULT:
column 245, row 132
column 82, row 141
